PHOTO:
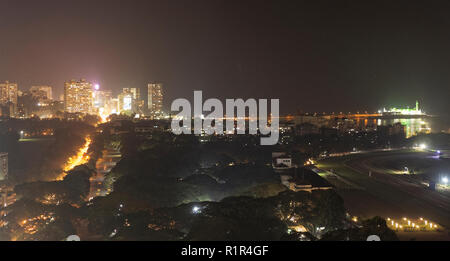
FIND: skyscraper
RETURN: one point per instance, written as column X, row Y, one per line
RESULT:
column 114, row 106
column 101, row 98
column 126, row 102
column 8, row 99
column 8, row 93
column 155, row 99
column 78, row 97
column 137, row 104
column 135, row 91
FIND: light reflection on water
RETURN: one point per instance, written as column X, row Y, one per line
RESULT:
column 412, row 126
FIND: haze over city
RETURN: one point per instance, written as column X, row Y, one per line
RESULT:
column 349, row 56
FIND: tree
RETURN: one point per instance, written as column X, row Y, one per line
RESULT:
column 77, row 183
column 328, row 211
column 265, row 190
column 73, row 189
column 237, row 218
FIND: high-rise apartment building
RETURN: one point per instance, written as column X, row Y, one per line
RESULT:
column 78, row 97
column 155, row 99
column 8, row 99
column 126, row 101
column 135, row 91
column 8, row 93
column 114, row 106
column 101, row 98
column 129, row 101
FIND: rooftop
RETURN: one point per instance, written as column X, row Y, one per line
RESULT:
column 305, row 176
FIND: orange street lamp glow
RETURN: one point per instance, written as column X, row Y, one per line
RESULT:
column 79, row 159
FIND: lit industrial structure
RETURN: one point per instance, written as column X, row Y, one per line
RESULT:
column 78, row 97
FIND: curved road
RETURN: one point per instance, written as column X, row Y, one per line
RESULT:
column 386, row 194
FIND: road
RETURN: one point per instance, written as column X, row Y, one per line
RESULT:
column 385, row 194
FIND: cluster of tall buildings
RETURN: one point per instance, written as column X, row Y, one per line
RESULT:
column 80, row 97
column 84, row 97
column 16, row 103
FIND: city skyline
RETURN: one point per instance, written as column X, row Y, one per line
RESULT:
column 142, row 89
column 79, row 96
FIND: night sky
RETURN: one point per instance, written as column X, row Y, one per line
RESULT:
column 312, row 55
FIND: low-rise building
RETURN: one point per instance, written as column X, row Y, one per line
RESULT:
column 304, row 179
column 281, row 161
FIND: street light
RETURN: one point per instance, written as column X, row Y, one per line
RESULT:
column 195, row 210
column 445, row 180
